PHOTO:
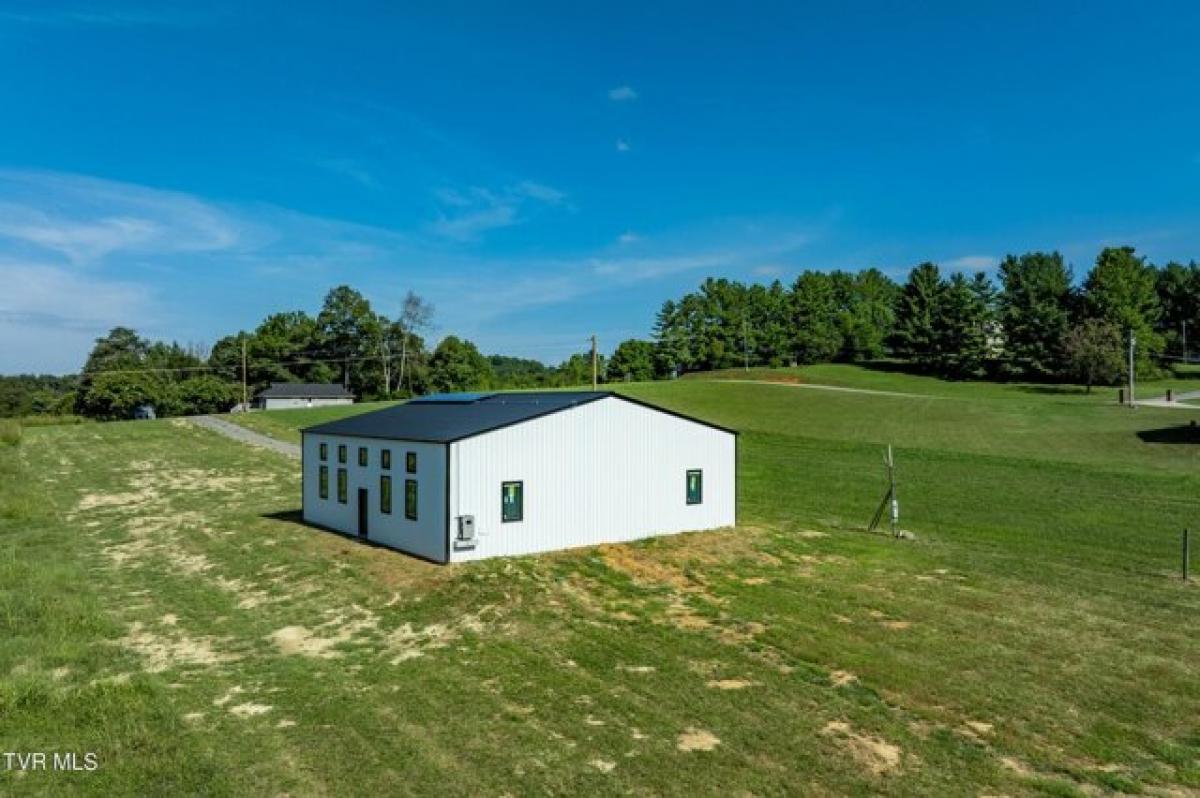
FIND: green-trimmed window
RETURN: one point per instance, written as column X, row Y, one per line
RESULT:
column 410, row 462
column 323, row 482
column 385, row 495
column 410, row 499
column 342, row 487
column 512, row 501
column 362, row 456
column 385, row 459
column 324, row 451
column 341, row 452
column 695, row 486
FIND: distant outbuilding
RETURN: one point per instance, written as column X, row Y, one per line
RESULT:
column 302, row 394
column 453, row 477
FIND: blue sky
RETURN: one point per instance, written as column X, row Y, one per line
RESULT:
column 544, row 171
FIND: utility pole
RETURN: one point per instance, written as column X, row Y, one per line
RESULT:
column 594, row 368
column 245, row 397
column 746, row 344
column 1132, row 344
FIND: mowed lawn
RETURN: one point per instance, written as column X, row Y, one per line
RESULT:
column 161, row 605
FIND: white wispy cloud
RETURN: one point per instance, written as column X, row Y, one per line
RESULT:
column 349, row 168
column 557, row 282
column 971, row 262
column 768, row 270
column 87, row 219
column 623, row 145
column 86, row 15
column 622, row 94
column 467, row 214
column 628, row 237
column 50, row 315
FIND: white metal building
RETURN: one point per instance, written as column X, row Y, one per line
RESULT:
column 454, row 477
column 302, row 394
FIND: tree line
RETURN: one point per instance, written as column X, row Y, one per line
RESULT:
column 1033, row 323
column 347, row 342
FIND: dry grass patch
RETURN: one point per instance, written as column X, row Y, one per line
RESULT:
column 874, row 754
column 161, row 653
column 694, row 739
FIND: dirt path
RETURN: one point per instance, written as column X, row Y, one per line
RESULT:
column 837, row 388
column 229, row 430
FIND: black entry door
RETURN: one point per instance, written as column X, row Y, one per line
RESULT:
column 362, row 512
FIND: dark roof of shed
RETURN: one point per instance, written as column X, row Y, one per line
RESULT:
column 304, row 390
column 443, row 418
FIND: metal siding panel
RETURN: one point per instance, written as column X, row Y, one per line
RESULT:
column 603, row 472
column 424, row 537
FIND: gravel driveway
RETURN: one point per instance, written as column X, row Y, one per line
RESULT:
column 244, row 435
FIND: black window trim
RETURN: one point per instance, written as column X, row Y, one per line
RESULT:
column 385, row 494
column 343, row 486
column 323, row 482
column 410, row 462
column 520, row 483
column 700, row 484
column 385, row 459
column 364, row 456
column 410, row 513
column 342, row 455
column 323, row 451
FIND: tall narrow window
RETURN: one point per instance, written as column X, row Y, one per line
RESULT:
column 385, row 459
column 410, row 499
column 385, row 495
column 324, row 451
column 342, row 488
column 362, row 456
column 341, row 452
column 410, row 462
column 512, row 501
column 323, row 482
column 695, row 486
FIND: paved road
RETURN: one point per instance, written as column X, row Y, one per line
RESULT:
column 230, row 430
column 1176, row 404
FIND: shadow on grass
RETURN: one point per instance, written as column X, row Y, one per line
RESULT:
column 296, row 518
column 1181, row 433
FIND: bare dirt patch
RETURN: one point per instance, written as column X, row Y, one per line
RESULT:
column 842, row 678
column 162, row 653
column 603, row 765
column 249, row 710
column 876, row 755
column 694, row 739
column 730, row 684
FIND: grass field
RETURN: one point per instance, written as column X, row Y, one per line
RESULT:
column 161, row 606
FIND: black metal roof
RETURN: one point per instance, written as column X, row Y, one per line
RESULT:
column 304, row 390
column 443, row 418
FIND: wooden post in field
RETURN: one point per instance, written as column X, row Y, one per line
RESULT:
column 245, row 397
column 895, row 502
column 1186, row 553
column 890, row 503
column 1132, row 345
column 594, row 374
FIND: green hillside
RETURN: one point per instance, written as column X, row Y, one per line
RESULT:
column 161, row 605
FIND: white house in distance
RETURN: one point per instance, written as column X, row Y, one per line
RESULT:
column 302, row 394
column 454, row 477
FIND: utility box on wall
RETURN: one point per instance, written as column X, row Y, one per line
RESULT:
column 466, row 533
